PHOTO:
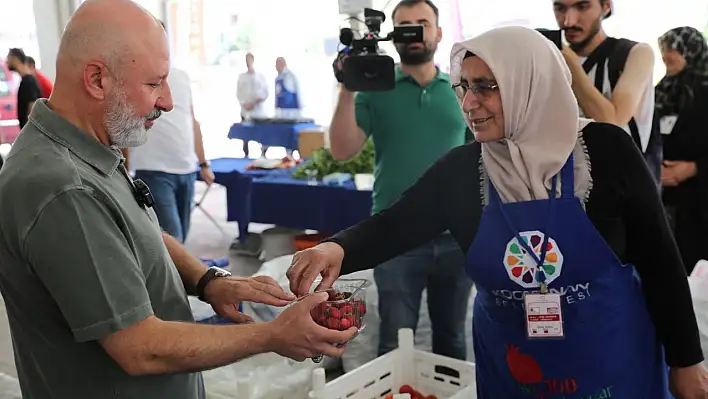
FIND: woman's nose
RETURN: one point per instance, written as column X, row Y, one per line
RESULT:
column 470, row 102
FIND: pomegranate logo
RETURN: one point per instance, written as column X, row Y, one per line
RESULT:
column 523, row 368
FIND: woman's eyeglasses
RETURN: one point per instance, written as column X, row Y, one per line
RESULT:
column 481, row 90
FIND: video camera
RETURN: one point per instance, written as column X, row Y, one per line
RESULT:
column 364, row 66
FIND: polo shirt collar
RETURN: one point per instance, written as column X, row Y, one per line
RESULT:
column 83, row 145
column 401, row 76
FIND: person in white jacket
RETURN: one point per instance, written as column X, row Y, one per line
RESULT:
column 251, row 92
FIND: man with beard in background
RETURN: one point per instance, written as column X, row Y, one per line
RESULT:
column 621, row 95
column 29, row 90
column 96, row 295
column 411, row 127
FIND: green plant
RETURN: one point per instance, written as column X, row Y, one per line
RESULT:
column 324, row 164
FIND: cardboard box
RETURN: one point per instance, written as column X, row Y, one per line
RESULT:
column 309, row 141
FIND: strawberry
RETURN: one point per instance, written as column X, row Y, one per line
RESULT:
column 333, row 323
column 347, row 308
column 335, row 313
column 406, row 389
column 362, row 308
column 345, row 323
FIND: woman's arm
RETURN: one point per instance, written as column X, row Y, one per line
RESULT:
column 652, row 249
column 424, row 211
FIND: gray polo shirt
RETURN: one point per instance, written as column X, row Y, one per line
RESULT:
column 79, row 260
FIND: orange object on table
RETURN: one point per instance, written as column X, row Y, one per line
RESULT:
column 305, row 241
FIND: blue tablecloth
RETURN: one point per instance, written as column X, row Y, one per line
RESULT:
column 279, row 135
column 274, row 197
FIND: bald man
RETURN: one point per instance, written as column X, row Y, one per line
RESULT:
column 95, row 294
column 288, row 103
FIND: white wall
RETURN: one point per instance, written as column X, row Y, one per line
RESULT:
column 51, row 17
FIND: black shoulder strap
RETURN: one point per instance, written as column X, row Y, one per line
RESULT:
column 615, row 67
column 600, row 54
column 598, row 58
column 618, row 59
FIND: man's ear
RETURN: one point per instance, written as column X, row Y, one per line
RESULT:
column 439, row 34
column 96, row 78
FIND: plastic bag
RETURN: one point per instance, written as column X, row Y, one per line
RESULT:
column 698, row 281
column 266, row 376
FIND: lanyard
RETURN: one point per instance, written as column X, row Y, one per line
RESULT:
column 540, row 273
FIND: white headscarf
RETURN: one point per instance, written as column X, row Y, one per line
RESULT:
column 541, row 119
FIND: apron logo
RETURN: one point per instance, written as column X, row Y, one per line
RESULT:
column 521, row 267
column 522, row 367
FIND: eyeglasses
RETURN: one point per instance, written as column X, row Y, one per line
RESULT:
column 481, row 90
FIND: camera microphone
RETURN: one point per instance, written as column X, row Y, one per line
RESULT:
column 346, row 36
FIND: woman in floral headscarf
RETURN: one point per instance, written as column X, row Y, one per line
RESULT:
column 681, row 101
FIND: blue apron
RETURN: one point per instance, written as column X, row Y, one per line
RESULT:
column 285, row 99
column 610, row 348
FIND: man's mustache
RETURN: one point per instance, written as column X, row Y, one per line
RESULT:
column 573, row 29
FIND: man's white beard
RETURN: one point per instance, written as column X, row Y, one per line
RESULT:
column 125, row 129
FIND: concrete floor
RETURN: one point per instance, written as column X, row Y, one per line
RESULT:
column 205, row 240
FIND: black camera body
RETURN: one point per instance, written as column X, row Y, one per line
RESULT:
column 364, row 66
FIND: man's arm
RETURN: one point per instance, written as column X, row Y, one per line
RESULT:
column 350, row 123
column 625, row 96
column 190, row 268
column 76, row 241
column 153, row 346
column 198, row 140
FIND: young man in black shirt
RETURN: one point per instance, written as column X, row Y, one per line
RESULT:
column 28, row 92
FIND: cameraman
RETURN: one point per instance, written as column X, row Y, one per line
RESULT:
column 411, row 127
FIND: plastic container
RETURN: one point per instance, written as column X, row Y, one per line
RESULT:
column 427, row 373
column 346, row 306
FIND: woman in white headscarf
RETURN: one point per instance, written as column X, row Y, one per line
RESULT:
column 581, row 289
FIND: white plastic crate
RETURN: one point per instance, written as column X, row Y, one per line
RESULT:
column 428, row 373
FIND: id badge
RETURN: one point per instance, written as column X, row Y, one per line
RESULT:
column 544, row 316
column 667, row 123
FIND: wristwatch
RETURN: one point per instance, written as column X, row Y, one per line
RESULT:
column 204, row 165
column 211, row 274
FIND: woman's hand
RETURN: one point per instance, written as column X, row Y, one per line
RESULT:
column 674, row 173
column 689, row 382
column 324, row 259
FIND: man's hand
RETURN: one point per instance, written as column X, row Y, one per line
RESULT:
column 226, row 293
column 207, row 175
column 297, row 336
column 689, row 382
column 249, row 106
column 674, row 173
column 571, row 58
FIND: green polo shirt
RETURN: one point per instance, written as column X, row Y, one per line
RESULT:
column 411, row 127
column 80, row 260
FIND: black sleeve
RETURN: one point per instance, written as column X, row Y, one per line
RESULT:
column 421, row 213
column 652, row 249
column 699, row 139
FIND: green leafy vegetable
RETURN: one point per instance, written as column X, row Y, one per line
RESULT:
column 322, row 162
